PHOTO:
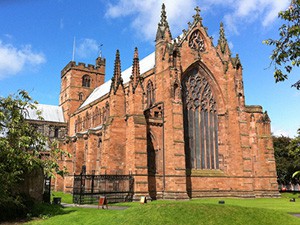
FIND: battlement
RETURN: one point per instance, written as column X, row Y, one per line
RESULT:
column 98, row 68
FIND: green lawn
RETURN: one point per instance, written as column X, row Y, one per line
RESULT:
column 200, row 211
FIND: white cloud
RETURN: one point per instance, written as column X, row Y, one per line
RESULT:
column 13, row 60
column 87, row 47
column 281, row 132
column 146, row 13
column 262, row 12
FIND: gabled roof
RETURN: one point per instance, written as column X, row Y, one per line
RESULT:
column 50, row 113
column 146, row 64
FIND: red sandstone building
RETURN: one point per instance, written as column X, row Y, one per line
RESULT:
column 176, row 120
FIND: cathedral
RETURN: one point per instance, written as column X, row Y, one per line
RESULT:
column 176, row 121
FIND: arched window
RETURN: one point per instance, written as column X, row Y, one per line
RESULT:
column 80, row 96
column 99, row 120
column 150, row 94
column 79, row 124
column 96, row 117
column 76, row 126
column 106, row 110
column 86, row 81
column 84, row 123
column 64, row 83
column 103, row 115
column 200, row 122
column 87, row 121
column 176, row 93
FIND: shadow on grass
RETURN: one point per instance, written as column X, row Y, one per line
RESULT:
column 44, row 211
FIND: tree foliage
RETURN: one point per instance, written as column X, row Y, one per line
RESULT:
column 22, row 146
column 287, row 156
column 286, row 54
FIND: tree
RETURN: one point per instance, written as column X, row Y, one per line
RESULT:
column 286, row 54
column 287, row 156
column 283, row 161
column 22, row 146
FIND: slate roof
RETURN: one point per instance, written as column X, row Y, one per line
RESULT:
column 50, row 113
column 146, row 64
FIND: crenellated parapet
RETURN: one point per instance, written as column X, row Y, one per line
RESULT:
column 89, row 68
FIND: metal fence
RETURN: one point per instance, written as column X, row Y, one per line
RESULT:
column 87, row 189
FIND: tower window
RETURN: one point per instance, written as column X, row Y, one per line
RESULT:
column 80, row 96
column 86, row 81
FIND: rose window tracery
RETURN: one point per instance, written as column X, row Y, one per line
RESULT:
column 196, row 42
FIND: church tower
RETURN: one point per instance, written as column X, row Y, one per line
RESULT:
column 77, row 83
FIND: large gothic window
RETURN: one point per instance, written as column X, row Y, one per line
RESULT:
column 200, row 122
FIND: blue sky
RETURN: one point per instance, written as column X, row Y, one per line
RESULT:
column 36, row 42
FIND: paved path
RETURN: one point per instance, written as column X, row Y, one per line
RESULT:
column 110, row 207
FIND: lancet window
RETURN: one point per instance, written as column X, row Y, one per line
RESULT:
column 80, row 96
column 150, row 94
column 200, row 122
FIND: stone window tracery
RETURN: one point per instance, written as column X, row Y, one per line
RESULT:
column 200, row 122
column 196, row 42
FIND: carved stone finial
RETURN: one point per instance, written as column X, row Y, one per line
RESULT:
column 198, row 10
column 136, row 53
column 236, row 62
column 222, row 42
column 163, row 16
column 163, row 26
column 197, row 17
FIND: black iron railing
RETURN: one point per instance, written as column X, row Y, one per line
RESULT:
column 87, row 189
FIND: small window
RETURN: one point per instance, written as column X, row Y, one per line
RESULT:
column 150, row 94
column 56, row 132
column 86, row 81
column 80, row 96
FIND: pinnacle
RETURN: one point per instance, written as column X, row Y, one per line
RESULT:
column 136, row 53
column 163, row 16
column 222, row 42
column 222, row 31
column 117, row 69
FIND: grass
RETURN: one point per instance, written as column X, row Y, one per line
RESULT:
column 65, row 197
column 200, row 211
